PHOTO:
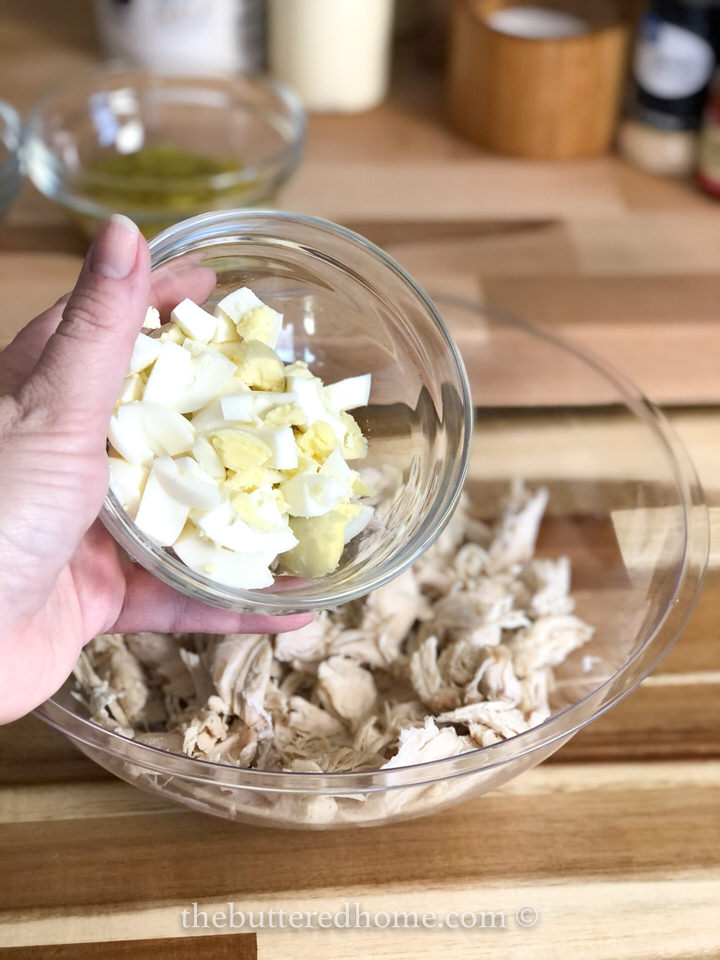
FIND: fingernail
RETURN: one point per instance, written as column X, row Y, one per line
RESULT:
column 115, row 248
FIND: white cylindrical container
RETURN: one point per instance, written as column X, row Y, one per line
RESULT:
column 334, row 53
column 184, row 36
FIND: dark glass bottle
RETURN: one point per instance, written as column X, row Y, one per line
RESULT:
column 708, row 169
column 675, row 56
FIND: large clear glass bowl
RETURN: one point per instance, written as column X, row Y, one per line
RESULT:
column 625, row 507
column 348, row 310
column 76, row 136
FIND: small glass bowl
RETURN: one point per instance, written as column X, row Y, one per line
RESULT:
column 348, row 310
column 10, row 168
column 625, row 507
column 253, row 127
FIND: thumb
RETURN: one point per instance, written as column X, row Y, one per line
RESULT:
column 81, row 368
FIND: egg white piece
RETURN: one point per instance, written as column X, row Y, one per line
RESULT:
column 209, row 418
column 207, row 458
column 211, row 372
column 312, row 495
column 336, row 467
column 129, row 439
column 184, row 481
column 145, row 352
column 236, row 304
column 152, row 319
column 225, row 529
column 349, row 393
column 281, row 441
column 250, row 407
column 307, row 397
column 358, row 523
column 160, row 516
column 166, row 431
column 132, row 389
column 171, row 374
column 225, row 329
column 260, row 509
column 127, row 482
column 245, row 571
column 233, row 308
column 194, row 321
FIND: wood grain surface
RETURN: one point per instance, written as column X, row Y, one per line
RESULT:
column 234, row 947
column 614, row 842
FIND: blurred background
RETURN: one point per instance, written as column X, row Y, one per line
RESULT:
column 389, row 81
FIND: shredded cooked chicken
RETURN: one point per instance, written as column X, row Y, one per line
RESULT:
column 455, row 654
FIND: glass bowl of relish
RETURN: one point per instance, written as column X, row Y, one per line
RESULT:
column 162, row 148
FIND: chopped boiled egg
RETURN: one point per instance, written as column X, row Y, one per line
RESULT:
column 236, row 304
column 211, row 372
column 132, row 388
column 226, row 529
column 259, row 509
column 252, row 406
column 357, row 523
column 253, row 478
column 171, row 374
column 240, row 449
column 209, row 418
column 244, row 571
column 336, row 467
column 320, row 544
column 127, row 482
column 165, row 431
column 145, row 352
column 160, row 516
column 225, row 330
column 152, row 319
column 207, row 458
column 354, row 444
column 172, row 334
column 281, row 441
column 284, row 415
column 253, row 319
column 312, row 495
column 184, row 481
column 350, row 393
column 318, row 441
column 129, row 439
column 231, row 457
column 258, row 365
column 309, row 399
column 194, row 322
column 262, row 324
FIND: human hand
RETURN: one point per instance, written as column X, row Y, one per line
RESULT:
column 62, row 578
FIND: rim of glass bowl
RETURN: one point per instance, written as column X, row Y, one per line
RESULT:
column 10, row 132
column 660, row 638
column 10, row 165
column 50, row 175
column 215, row 229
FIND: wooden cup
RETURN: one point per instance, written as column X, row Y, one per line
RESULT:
column 550, row 98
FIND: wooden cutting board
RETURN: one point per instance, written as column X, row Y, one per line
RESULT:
column 614, row 842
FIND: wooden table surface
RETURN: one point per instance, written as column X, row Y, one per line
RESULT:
column 614, row 842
